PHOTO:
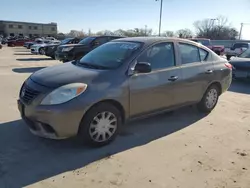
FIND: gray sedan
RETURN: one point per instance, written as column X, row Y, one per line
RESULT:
column 121, row 80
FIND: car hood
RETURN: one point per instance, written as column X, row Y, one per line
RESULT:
column 73, row 45
column 63, row 74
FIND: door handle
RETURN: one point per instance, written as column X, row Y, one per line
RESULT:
column 209, row 71
column 173, row 78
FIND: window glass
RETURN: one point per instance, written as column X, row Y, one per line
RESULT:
column 203, row 54
column 101, row 40
column 241, row 45
column 110, row 55
column 160, row 56
column 245, row 54
column 189, row 53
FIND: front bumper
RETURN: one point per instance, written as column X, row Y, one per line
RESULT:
column 64, row 56
column 34, row 51
column 54, row 122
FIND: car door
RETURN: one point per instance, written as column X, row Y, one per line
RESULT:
column 153, row 91
column 196, row 73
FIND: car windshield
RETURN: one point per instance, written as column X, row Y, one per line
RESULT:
column 110, row 55
column 87, row 40
column 245, row 54
column 65, row 41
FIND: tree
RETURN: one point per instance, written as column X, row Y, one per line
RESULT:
column 168, row 34
column 184, row 33
column 216, row 29
column 75, row 33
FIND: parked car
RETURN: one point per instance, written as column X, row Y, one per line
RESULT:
column 207, row 42
column 36, row 41
column 241, row 65
column 118, row 81
column 71, row 52
column 236, row 49
column 39, row 48
column 51, row 49
column 17, row 42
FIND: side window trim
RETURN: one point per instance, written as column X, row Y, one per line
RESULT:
column 206, row 55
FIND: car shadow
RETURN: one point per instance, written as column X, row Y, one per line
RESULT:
column 240, row 86
column 24, row 53
column 26, row 159
column 27, row 69
column 34, row 59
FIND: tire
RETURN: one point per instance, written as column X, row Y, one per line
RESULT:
column 207, row 105
column 41, row 51
column 89, row 125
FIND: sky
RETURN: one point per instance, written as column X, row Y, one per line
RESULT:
column 126, row 14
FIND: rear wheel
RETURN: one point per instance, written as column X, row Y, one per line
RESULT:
column 210, row 99
column 42, row 51
column 100, row 125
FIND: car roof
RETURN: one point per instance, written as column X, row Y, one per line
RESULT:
column 151, row 40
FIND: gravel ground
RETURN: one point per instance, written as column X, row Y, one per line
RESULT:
column 180, row 150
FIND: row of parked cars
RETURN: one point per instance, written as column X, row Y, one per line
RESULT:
column 68, row 49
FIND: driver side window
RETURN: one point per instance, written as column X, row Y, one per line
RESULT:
column 160, row 56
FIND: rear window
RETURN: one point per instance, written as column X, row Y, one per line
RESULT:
column 241, row 45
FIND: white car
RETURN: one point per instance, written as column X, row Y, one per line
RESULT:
column 39, row 48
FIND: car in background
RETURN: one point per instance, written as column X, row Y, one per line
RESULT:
column 236, row 49
column 207, row 42
column 29, row 44
column 40, row 48
column 121, row 80
column 17, row 42
column 51, row 48
column 71, row 52
column 241, row 65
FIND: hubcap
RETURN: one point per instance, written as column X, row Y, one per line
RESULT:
column 42, row 51
column 103, row 126
column 211, row 98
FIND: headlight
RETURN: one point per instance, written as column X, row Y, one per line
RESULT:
column 64, row 94
column 67, row 49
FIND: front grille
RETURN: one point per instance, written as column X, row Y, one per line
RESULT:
column 28, row 94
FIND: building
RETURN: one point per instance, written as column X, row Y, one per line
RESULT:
column 14, row 28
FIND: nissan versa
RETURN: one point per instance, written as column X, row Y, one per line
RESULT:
column 121, row 80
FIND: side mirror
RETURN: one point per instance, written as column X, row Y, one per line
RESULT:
column 143, row 67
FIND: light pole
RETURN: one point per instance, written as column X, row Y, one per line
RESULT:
column 241, row 28
column 213, row 20
column 160, row 16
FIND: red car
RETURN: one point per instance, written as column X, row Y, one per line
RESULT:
column 18, row 42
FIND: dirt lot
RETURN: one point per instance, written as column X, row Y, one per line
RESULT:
column 184, row 149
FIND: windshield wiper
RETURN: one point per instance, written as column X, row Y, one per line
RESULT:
column 92, row 66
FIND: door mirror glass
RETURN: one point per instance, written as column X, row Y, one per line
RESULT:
column 143, row 67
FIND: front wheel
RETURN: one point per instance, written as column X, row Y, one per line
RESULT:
column 42, row 51
column 209, row 100
column 100, row 125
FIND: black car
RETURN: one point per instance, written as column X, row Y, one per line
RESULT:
column 241, row 65
column 77, row 51
column 51, row 49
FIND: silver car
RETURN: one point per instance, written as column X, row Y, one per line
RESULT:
column 121, row 80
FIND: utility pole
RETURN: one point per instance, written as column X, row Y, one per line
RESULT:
column 241, row 27
column 146, row 30
column 160, row 16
